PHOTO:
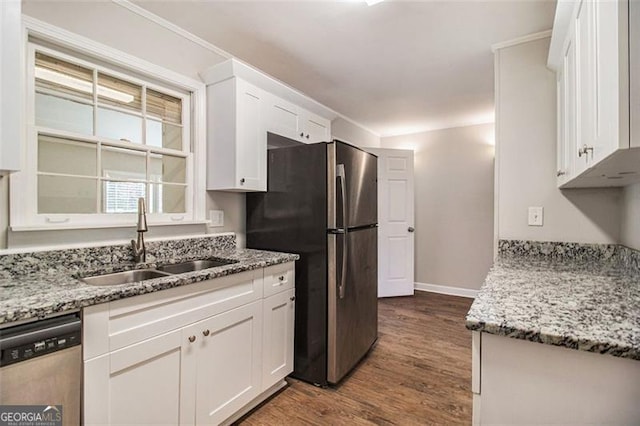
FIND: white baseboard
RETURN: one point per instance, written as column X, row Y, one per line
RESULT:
column 443, row 289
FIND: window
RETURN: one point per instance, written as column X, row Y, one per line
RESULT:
column 101, row 139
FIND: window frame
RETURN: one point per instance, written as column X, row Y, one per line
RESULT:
column 23, row 211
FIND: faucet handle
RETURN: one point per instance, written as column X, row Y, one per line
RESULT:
column 142, row 216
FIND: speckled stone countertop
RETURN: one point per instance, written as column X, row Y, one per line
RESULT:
column 584, row 297
column 41, row 284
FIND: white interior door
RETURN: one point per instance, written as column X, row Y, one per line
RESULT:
column 395, row 221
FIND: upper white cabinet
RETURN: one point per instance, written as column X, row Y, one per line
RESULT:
column 287, row 119
column 237, row 138
column 590, row 51
column 10, row 78
column 243, row 105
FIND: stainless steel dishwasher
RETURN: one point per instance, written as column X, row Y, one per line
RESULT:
column 41, row 364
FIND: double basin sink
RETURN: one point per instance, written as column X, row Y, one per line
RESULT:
column 137, row 275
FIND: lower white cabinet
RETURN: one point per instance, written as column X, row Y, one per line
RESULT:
column 228, row 350
column 225, row 360
column 140, row 384
column 277, row 347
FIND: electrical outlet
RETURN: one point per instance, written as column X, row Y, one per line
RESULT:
column 216, row 217
column 536, row 216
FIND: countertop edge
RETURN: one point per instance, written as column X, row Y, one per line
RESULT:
column 554, row 340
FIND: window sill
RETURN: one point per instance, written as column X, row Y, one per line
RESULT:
column 63, row 227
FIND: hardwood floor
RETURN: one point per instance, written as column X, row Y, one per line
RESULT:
column 418, row 373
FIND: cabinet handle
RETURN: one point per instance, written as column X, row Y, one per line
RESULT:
column 585, row 150
column 292, row 298
column 206, row 332
column 192, row 339
column 560, row 173
column 281, row 277
column 242, row 181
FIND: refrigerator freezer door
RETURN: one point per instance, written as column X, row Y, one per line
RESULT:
column 361, row 176
column 353, row 319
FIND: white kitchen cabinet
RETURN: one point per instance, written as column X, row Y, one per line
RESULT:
column 194, row 354
column 594, row 73
column 11, row 103
column 277, row 346
column 287, row 119
column 139, row 384
column 282, row 117
column 314, row 128
column 226, row 357
column 243, row 105
column 237, row 138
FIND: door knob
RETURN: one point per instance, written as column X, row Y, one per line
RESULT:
column 411, row 229
column 192, row 339
column 205, row 332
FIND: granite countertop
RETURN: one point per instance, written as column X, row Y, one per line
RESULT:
column 581, row 297
column 37, row 286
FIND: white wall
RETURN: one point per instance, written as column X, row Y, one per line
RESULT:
column 630, row 223
column 526, row 158
column 453, row 203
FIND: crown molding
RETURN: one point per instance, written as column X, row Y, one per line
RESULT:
column 520, row 40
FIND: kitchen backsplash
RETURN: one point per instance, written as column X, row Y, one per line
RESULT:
column 92, row 258
column 613, row 254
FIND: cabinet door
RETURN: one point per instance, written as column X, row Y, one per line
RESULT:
column 282, row 118
column 251, row 138
column 227, row 358
column 315, row 128
column 139, row 384
column 279, row 314
column 569, row 116
column 610, row 78
column 10, row 91
column 561, row 141
column 584, row 85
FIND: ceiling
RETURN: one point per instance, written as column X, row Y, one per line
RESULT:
column 396, row 67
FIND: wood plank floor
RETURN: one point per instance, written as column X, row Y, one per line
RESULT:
column 418, row 373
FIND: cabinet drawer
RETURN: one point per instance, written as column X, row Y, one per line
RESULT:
column 134, row 319
column 278, row 278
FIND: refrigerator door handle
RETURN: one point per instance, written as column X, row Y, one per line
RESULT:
column 340, row 174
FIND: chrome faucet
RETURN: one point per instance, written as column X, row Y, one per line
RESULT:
column 139, row 250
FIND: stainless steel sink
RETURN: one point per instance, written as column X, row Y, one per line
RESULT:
column 194, row 265
column 125, row 277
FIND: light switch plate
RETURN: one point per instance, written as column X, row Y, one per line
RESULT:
column 536, row 216
column 216, row 217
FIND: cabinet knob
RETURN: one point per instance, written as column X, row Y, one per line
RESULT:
column 192, row 339
column 560, row 173
column 307, row 136
column 281, row 277
column 301, row 135
column 242, row 181
column 411, row 229
column 292, row 298
column 206, row 332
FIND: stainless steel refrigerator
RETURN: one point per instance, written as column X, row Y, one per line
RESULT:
column 321, row 203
